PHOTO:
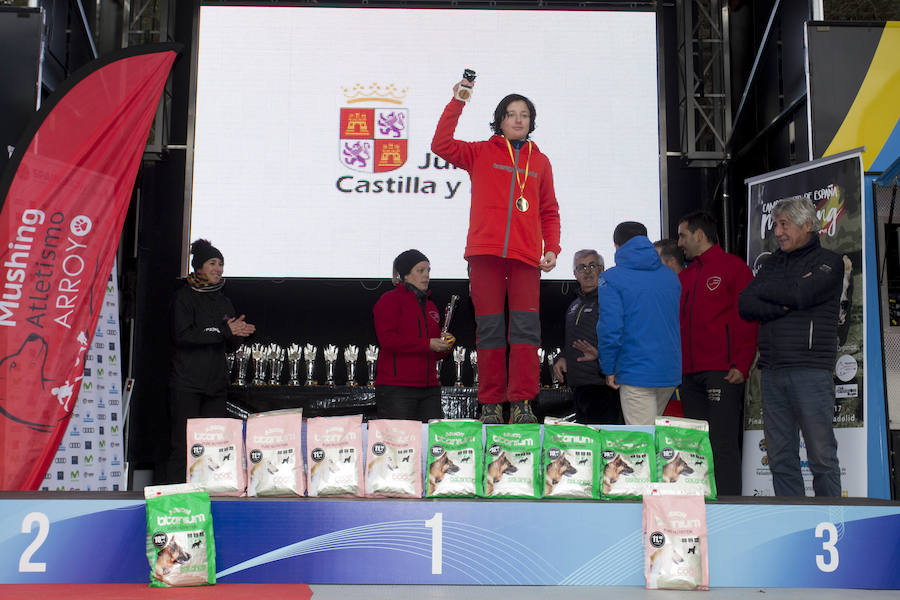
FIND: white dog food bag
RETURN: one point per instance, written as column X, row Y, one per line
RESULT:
column 275, row 454
column 512, row 461
column 684, row 455
column 180, row 546
column 676, row 555
column 455, row 451
column 393, row 459
column 335, row 456
column 215, row 456
column 571, row 456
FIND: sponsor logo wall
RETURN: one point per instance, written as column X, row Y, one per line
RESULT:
column 91, row 455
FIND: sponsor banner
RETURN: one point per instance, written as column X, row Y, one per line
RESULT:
column 91, row 457
column 834, row 185
column 65, row 193
column 394, row 542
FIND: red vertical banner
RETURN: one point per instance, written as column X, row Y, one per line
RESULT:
column 66, row 192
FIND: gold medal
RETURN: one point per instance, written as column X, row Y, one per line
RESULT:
column 521, row 202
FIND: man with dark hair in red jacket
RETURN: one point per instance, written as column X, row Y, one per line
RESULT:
column 513, row 236
column 717, row 345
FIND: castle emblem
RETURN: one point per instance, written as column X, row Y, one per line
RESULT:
column 374, row 129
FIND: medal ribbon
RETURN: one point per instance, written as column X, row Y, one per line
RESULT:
column 516, row 167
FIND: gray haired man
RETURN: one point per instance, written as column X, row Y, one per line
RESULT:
column 796, row 298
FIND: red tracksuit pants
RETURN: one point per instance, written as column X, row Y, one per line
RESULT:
column 492, row 280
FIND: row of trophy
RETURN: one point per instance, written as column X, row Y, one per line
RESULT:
column 263, row 364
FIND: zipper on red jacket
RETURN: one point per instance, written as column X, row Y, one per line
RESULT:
column 512, row 193
column 691, row 316
column 728, row 344
column 425, row 322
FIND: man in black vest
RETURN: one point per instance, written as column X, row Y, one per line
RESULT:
column 796, row 298
column 595, row 402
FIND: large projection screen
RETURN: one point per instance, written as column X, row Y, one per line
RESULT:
column 271, row 187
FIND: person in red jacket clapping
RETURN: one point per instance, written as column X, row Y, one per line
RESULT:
column 513, row 236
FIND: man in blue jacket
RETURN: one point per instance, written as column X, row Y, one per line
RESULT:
column 638, row 335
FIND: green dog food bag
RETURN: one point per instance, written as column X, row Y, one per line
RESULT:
column 629, row 463
column 512, row 461
column 684, row 455
column 571, row 457
column 180, row 545
column 454, row 458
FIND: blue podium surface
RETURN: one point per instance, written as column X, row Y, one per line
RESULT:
column 54, row 537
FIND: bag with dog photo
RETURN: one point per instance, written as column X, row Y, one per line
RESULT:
column 684, row 455
column 275, row 454
column 393, row 459
column 676, row 555
column 335, row 459
column 455, row 458
column 180, row 545
column 215, row 456
column 571, row 457
column 512, row 461
column 629, row 463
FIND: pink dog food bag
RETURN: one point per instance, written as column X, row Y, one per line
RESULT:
column 393, row 459
column 215, row 456
column 334, row 456
column 275, row 454
column 676, row 556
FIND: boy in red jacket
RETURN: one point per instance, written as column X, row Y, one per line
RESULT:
column 513, row 236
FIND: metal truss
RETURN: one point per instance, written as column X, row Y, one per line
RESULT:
column 147, row 22
column 704, row 81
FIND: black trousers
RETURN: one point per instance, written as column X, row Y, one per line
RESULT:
column 707, row 396
column 597, row 405
column 184, row 405
column 410, row 403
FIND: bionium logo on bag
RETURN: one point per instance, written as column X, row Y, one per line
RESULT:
column 374, row 130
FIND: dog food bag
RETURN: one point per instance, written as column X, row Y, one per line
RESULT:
column 335, row 456
column 512, row 461
column 215, row 456
column 571, row 461
column 180, row 545
column 676, row 555
column 393, row 459
column 684, row 456
column 629, row 463
column 275, row 453
column 454, row 458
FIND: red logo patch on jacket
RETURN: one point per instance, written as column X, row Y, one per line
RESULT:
column 713, row 282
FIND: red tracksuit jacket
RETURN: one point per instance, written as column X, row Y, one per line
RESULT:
column 404, row 328
column 496, row 227
column 713, row 335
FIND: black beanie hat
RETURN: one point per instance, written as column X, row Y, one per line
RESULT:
column 203, row 251
column 405, row 262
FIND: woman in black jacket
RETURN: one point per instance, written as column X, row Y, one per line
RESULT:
column 203, row 328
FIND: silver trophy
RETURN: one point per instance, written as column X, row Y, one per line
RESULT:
column 309, row 353
column 448, row 315
column 351, row 353
column 541, row 354
column 473, row 360
column 551, row 359
column 294, row 356
column 459, row 357
column 437, row 365
column 229, row 364
column 242, row 357
column 371, row 357
column 275, row 360
column 331, row 354
column 258, row 352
